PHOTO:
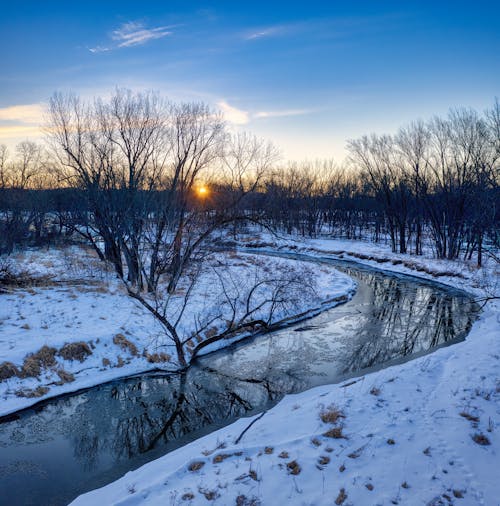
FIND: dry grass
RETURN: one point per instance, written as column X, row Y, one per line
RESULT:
column 221, row 457
column 375, row 391
column 481, row 439
column 31, row 368
column 32, row 393
column 335, row 433
column 196, row 465
column 293, row 467
column 268, row 450
column 243, row 500
column 341, row 497
column 8, row 370
column 324, row 460
column 369, row 486
column 156, row 358
column 106, row 362
column 469, row 417
column 65, row 376
column 75, row 351
column 331, row 414
column 46, row 356
column 283, row 455
column 126, row 345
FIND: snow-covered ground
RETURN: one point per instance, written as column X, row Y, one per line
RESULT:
column 76, row 301
column 424, row 432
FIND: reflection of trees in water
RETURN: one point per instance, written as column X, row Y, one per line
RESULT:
column 406, row 318
column 139, row 416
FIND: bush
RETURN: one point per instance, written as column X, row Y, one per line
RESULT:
column 75, row 351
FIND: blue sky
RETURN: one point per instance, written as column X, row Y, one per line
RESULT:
column 307, row 75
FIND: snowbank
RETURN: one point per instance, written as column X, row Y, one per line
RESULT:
column 424, row 432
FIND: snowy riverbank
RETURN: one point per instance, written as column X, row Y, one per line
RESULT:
column 73, row 300
column 424, row 432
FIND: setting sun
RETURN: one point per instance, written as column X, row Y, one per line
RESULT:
column 202, row 191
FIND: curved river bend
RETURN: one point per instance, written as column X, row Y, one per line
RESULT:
column 72, row 444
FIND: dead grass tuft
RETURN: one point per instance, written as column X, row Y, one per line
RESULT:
column 156, row 358
column 369, row 486
column 335, row 433
column 75, row 351
column 243, row 500
column 31, row 368
column 196, row 465
column 268, row 450
column 331, row 414
column 188, row 496
column 65, row 376
column 391, row 441
column 126, row 345
column 375, row 391
column 293, row 467
column 106, row 362
column 283, row 455
column 341, row 497
column 31, row 393
column 469, row 417
column 8, row 370
column 46, row 356
column 481, row 439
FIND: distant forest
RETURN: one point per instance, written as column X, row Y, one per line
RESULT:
column 137, row 176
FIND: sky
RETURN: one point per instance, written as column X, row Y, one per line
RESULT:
column 306, row 75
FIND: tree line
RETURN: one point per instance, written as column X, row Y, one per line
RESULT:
column 126, row 174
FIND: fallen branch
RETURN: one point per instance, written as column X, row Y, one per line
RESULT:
column 238, row 439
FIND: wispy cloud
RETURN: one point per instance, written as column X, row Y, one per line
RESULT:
column 233, row 114
column 136, row 34
column 131, row 34
column 265, row 32
column 21, row 121
column 242, row 117
column 28, row 113
column 282, row 114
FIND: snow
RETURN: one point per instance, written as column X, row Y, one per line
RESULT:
column 411, row 433
column 82, row 302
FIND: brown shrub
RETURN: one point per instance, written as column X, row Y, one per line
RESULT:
column 126, row 345
column 106, row 362
column 8, row 370
column 46, row 356
column 75, row 351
